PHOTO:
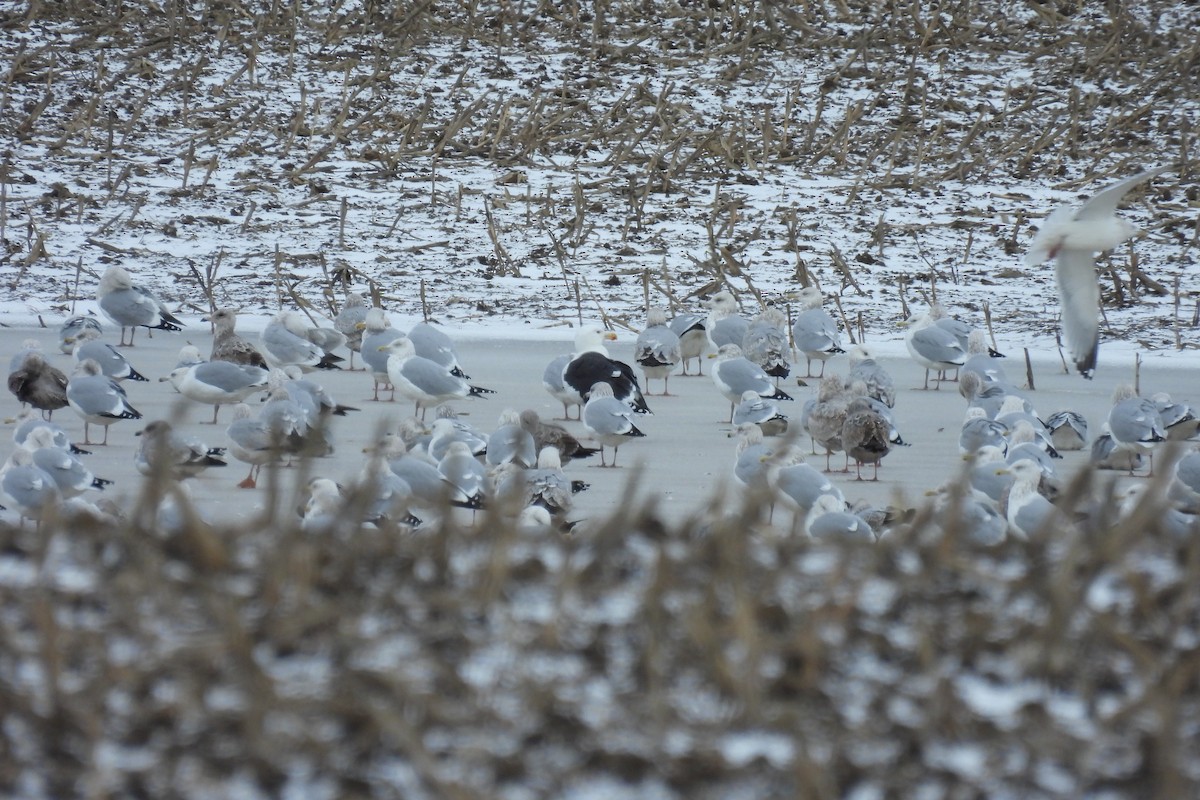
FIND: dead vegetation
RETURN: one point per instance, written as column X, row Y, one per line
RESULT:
column 709, row 659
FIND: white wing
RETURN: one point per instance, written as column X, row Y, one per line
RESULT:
column 1104, row 203
column 1079, row 293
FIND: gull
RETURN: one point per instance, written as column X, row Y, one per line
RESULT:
column 1068, row 430
column 165, row 452
column 878, row 381
column 228, row 345
column 1185, row 483
column 69, row 473
column 99, row 400
column 132, row 306
column 251, row 442
column 511, row 443
column 971, row 513
column 724, row 325
column 693, row 339
column 829, row 519
column 1028, row 511
column 1178, row 419
column 547, row 434
column 589, row 339
column 218, row 383
column 27, row 487
column 932, row 347
column 87, row 344
column 865, row 435
column 27, row 422
column 828, row 415
column 609, row 420
column 1144, row 506
column 39, row 384
column 323, row 336
column 423, row 381
column 465, row 476
column 349, row 322
column 734, row 375
column 322, row 511
column 592, row 365
column 447, row 428
column 760, row 411
column 978, row 432
column 766, row 344
column 657, row 349
column 982, row 360
column 814, row 331
column 283, row 346
column 431, row 343
column 28, row 346
column 1134, row 423
column 73, row 327
column 387, row 496
column 1107, row 454
column 1072, row 237
column 800, row 485
column 376, row 332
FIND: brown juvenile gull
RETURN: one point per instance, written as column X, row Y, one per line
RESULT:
column 228, row 345
column 39, row 383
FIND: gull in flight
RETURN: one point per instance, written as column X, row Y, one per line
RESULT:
column 1072, row 237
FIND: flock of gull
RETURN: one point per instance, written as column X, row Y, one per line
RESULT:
column 420, row 465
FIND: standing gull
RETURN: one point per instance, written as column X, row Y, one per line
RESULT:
column 431, row 343
column 724, row 325
column 218, row 383
column 593, row 365
column 116, row 366
column 766, row 343
column 933, row 347
column 1134, row 423
column 1072, row 237
column 657, row 349
column 97, row 399
column 693, row 339
column 348, row 322
column 734, row 375
column 865, row 434
column 228, row 345
column 251, row 442
column 132, row 306
column 425, row 382
column 587, row 339
column 378, row 331
column 282, row 346
column 814, row 332
column 609, row 420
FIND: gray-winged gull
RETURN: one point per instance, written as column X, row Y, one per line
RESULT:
column 229, row 345
column 430, row 342
column 70, row 474
column 734, row 375
column 1185, row 483
column 251, row 442
column 28, row 488
column 1145, row 505
column 800, row 485
column 971, row 514
column 724, row 325
column 511, row 443
column 378, row 331
column 1068, row 430
column 1178, row 419
column 693, row 339
column 217, row 383
column 97, row 399
column 28, row 421
column 657, row 349
column 39, row 384
column 988, row 474
column 828, row 519
column 464, row 475
column 166, row 452
column 1028, row 512
column 978, row 431
column 425, row 382
column 388, row 497
column 766, row 343
column 814, row 331
column 609, row 421
column 1072, row 237
column 1134, row 423
column 282, row 346
column 1107, row 454
column 932, row 347
column 323, row 511
column 982, row 360
column 132, row 306
column 447, row 428
column 72, row 328
column 112, row 362
column 760, row 411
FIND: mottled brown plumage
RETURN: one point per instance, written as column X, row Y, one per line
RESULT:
column 228, row 345
column 865, row 438
column 39, row 384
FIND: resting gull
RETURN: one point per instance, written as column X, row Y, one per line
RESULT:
column 724, row 325
column 217, row 383
column 657, row 349
column 511, row 443
column 447, row 429
column 609, row 420
column 1072, row 237
column 230, row 346
column 693, row 339
column 28, row 421
column 73, row 327
column 284, row 343
column 760, row 411
column 132, row 306
column 425, row 382
column 112, row 363
column 431, row 343
column 378, row 331
column 734, row 375
column 814, row 332
column 1068, row 430
column 69, row 473
column 766, row 343
column 829, row 519
column 27, row 487
column 349, row 322
column 39, row 384
column 1028, row 512
column 99, row 400
column 464, row 475
column 1134, row 423
column 165, row 452
column 547, row 434
column 800, row 485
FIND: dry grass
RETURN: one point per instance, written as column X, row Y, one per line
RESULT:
column 708, row 659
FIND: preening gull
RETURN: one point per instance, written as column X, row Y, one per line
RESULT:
column 377, row 332
column 609, row 420
column 734, row 375
column 693, row 339
column 933, row 347
column 760, row 411
column 423, row 381
column 99, row 400
column 511, row 443
column 591, row 365
column 814, row 331
column 1068, row 430
column 218, row 382
column 132, row 306
column 829, row 519
column 878, row 381
column 116, row 366
column 1072, row 237
column 228, row 344
column 657, row 349
column 1134, row 423
column 165, row 452
column 39, row 384
column 464, row 475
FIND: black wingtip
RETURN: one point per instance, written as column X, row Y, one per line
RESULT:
column 100, row 483
column 994, row 353
column 79, row 451
column 477, row 391
column 458, row 373
column 329, row 361
column 134, row 375
column 175, row 326
column 780, row 394
column 579, row 486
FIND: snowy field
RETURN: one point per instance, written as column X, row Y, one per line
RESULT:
column 510, row 171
